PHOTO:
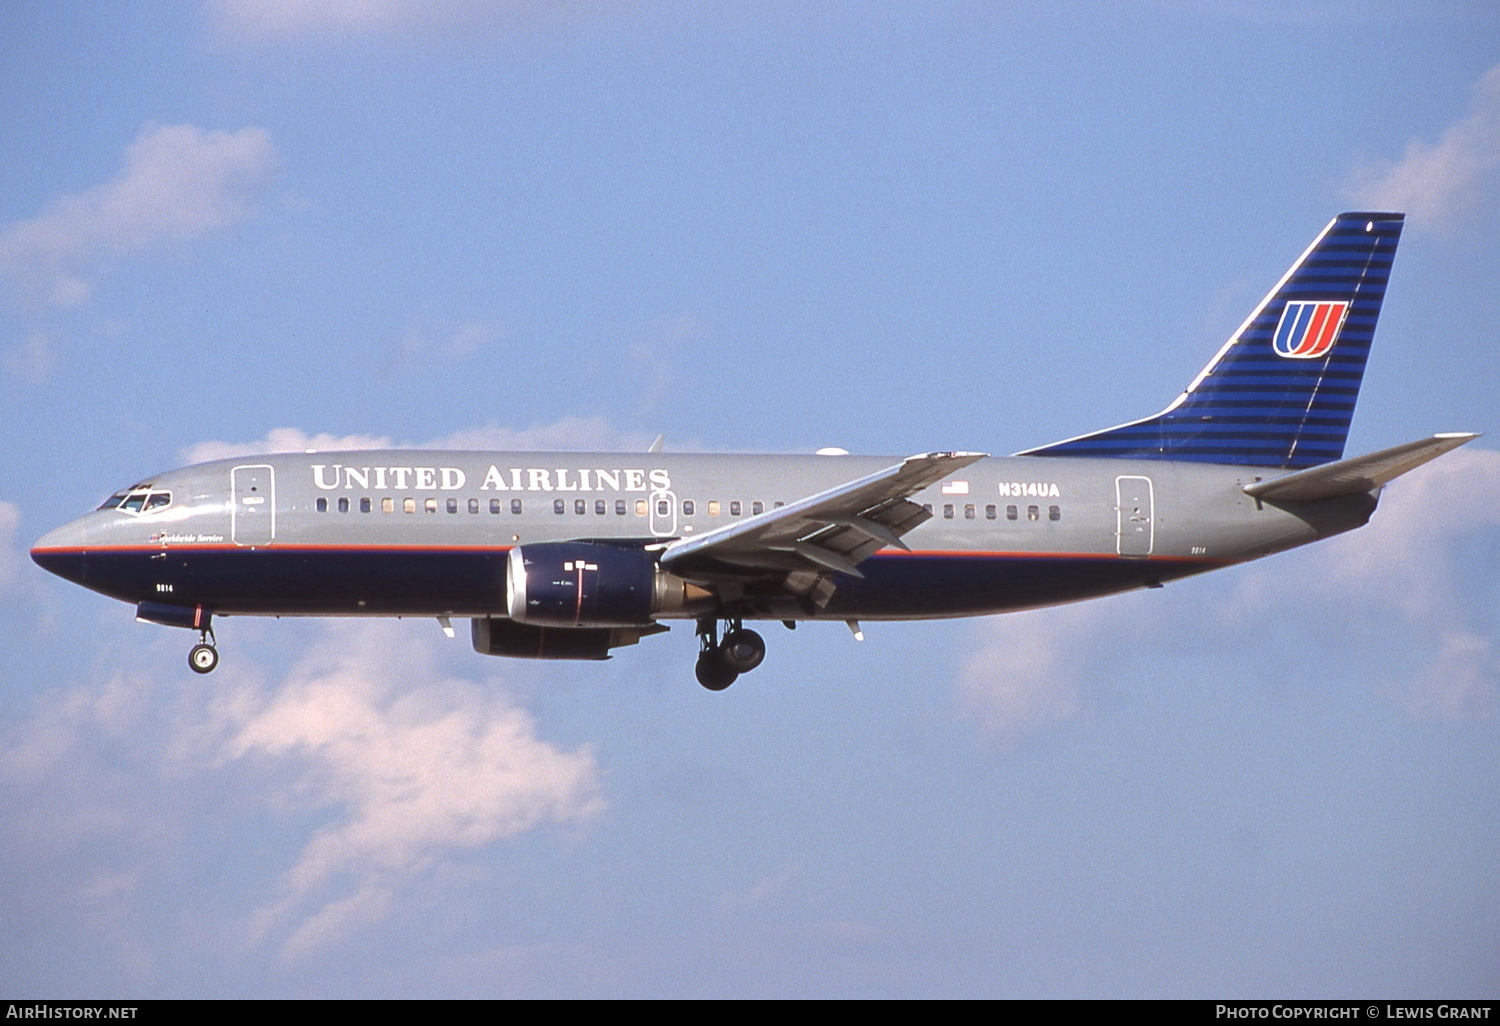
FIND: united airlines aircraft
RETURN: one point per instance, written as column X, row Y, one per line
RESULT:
column 569, row 556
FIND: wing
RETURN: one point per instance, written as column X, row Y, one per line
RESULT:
column 813, row 540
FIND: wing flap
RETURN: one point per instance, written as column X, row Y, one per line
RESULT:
column 1360, row 474
column 829, row 532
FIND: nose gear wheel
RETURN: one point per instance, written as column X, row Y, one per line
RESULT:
column 204, row 656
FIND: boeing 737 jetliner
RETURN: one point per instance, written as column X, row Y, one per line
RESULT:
column 556, row 555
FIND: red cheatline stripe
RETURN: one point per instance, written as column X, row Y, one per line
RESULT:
column 974, row 553
column 480, row 550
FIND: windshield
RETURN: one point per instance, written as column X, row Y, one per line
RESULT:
column 141, row 498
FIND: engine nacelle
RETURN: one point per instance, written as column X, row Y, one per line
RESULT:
column 503, row 637
column 586, row 584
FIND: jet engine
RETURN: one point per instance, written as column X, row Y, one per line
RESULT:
column 587, row 584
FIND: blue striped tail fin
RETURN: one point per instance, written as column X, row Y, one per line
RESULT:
column 1281, row 391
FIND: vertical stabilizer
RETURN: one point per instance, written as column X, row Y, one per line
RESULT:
column 1281, row 391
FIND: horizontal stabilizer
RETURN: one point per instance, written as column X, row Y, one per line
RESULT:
column 1360, row 474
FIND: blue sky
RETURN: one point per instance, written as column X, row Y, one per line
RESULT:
column 257, row 224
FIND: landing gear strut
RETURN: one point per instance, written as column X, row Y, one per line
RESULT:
column 721, row 663
column 204, row 656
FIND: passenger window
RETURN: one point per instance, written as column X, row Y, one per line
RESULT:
column 619, row 507
column 640, row 507
column 495, row 506
column 387, row 505
column 687, row 507
column 734, row 508
column 580, row 506
column 1011, row 512
column 452, row 505
column 322, row 504
column 663, row 508
column 364, row 504
column 969, row 511
column 989, row 512
column 1054, row 512
column 430, row 505
column 713, row 507
column 343, row 504
column 599, row 507
column 408, row 505
column 1032, row 513
column 777, row 505
column 474, row 506
column 559, row 507
column 947, row 511
column 757, row 508
column 515, row 506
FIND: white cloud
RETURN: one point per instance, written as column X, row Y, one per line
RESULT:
column 572, row 433
column 462, row 341
column 361, row 771
column 1029, row 669
column 567, row 433
column 283, row 439
column 252, row 21
column 278, row 18
column 419, row 767
column 1412, row 563
column 1407, row 571
column 1438, row 184
column 179, row 182
column 12, row 560
column 1460, row 682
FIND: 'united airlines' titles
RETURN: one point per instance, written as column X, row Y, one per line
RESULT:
column 332, row 477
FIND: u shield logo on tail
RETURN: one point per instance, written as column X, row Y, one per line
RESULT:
column 1308, row 330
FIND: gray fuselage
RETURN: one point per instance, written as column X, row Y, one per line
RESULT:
column 426, row 533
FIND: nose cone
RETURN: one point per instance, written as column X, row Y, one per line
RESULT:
column 62, row 552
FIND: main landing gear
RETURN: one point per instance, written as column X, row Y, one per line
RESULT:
column 204, row 656
column 721, row 662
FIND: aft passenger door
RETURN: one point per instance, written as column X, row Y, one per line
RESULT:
column 1134, row 526
column 253, row 515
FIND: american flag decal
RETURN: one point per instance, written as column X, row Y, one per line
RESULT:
column 1308, row 330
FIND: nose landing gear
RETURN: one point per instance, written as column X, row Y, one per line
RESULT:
column 204, row 656
column 720, row 663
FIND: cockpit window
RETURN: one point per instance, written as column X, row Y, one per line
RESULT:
column 138, row 499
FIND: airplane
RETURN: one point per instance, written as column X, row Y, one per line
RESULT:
column 564, row 555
